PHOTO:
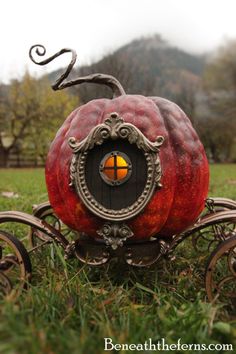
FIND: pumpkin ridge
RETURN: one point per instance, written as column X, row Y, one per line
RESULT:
column 154, row 215
column 188, row 177
column 163, row 112
column 174, row 157
column 57, row 169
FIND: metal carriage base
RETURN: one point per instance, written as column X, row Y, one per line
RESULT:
column 214, row 235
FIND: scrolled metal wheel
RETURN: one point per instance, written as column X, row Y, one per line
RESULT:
column 5, row 284
column 15, row 265
column 220, row 276
column 204, row 241
column 216, row 205
column 37, row 237
column 44, row 212
column 207, row 239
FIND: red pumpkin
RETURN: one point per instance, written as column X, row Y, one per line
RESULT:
column 185, row 173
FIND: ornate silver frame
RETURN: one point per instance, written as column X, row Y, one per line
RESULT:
column 114, row 128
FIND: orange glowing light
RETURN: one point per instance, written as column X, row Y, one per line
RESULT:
column 115, row 168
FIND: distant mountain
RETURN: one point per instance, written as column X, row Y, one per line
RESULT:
column 148, row 66
column 154, row 56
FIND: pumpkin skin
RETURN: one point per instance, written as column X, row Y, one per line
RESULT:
column 185, row 172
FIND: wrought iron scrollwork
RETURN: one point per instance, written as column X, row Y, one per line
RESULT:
column 115, row 234
column 137, row 254
column 15, row 265
column 223, row 226
column 220, row 277
column 38, row 238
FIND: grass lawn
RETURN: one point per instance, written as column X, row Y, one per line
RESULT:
column 70, row 307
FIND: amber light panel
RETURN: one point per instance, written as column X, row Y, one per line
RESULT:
column 110, row 162
column 115, row 168
column 110, row 174
column 121, row 173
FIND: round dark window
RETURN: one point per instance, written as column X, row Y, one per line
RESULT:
column 115, row 168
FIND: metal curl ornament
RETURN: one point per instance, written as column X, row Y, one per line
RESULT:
column 97, row 78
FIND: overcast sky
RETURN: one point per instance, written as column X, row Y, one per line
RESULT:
column 95, row 27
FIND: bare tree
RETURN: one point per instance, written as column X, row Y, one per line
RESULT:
column 30, row 115
column 219, row 82
column 186, row 94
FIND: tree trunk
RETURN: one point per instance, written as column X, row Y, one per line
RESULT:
column 4, row 157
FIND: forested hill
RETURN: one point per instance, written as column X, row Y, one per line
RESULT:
column 148, row 66
column 153, row 50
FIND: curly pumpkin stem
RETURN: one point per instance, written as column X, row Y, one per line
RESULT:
column 102, row 79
